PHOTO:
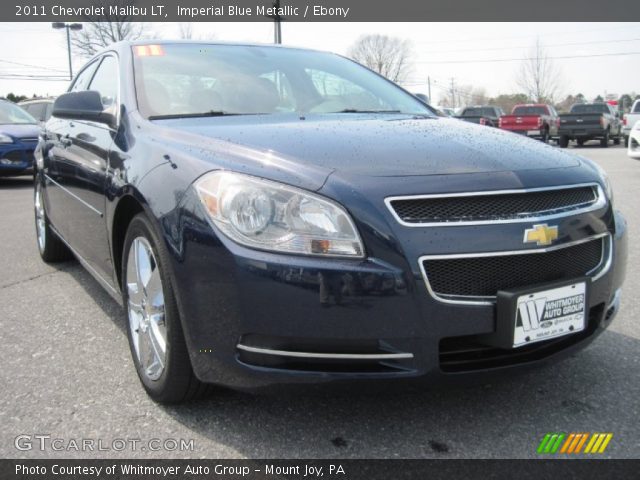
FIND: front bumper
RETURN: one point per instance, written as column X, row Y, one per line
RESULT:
column 16, row 158
column 375, row 317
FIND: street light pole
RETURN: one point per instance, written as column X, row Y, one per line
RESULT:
column 67, row 27
column 277, row 32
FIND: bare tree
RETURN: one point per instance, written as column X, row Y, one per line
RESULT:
column 539, row 77
column 389, row 56
column 186, row 30
column 101, row 32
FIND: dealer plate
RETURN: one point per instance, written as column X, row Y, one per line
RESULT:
column 550, row 314
column 533, row 132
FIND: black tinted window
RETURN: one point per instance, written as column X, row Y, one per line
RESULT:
column 529, row 111
column 478, row 112
column 593, row 108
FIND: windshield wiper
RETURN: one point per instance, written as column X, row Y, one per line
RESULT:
column 355, row 110
column 210, row 113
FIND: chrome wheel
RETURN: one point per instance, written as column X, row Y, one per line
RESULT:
column 146, row 308
column 41, row 226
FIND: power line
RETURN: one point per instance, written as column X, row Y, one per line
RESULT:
column 495, row 60
column 574, row 32
column 528, row 46
column 32, row 66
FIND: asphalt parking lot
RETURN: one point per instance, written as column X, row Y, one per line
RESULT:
column 66, row 372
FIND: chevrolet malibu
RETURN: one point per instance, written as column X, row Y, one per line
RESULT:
column 275, row 216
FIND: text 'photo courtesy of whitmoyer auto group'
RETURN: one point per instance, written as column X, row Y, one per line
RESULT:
column 287, row 239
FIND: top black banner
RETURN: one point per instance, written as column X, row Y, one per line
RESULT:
column 317, row 10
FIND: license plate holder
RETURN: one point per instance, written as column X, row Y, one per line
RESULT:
column 535, row 314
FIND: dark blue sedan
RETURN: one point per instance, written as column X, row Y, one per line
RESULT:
column 18, row 138
column 274, row 216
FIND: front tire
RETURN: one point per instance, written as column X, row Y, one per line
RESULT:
column 564, row 141
column 51, row 248
column 155, row 333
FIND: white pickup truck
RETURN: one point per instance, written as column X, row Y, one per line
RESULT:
column 630, row 120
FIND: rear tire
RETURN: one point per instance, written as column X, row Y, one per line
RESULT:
column 545, row 137
column 51, row 248
column 156, row 338
column 616, row 141
column 580, row 142
column 563, row 141
column 604, row 141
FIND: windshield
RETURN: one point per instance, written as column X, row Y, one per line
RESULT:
column 10, row 113
column 529, row 111
column 593, row 108
column 192, row 79
column 478, row 112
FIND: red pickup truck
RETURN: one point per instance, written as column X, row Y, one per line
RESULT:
column 533, row 120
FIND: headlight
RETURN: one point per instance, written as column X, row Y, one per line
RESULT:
column 5, row 138
column 272, row 216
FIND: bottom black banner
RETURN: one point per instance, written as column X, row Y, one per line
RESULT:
column 315, row 469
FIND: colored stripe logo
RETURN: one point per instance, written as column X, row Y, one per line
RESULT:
column 574, row 443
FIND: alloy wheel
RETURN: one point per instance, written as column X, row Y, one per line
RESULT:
column 146, row 308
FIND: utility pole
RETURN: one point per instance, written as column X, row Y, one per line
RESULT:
column 429, row 84
column 68, row 26
column 453, row 92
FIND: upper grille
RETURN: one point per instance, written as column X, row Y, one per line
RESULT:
column 484, row 276
column 490, row 207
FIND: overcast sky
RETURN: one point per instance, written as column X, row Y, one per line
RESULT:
column 484, row 55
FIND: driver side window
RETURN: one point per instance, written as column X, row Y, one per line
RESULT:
column 105, row 81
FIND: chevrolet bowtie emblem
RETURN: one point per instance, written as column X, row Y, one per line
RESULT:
column 542, row 234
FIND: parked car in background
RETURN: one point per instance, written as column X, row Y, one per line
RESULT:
column 18, row 138
column 630, row 120
column 251, row 252
column 590, row 121
column 448, row 111
column 422, row 97
column 38, row 108
column 533, row 120
column 483, row 115
column 633, row 145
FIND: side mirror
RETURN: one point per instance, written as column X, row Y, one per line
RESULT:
column 84, row 105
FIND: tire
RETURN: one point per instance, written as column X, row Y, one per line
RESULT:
column 51, row 248
column 563, row 141
column 545, row 137
column 152, row 318
column 616, row 140
column 580, row 142
column 604, row 141
column 626, row 142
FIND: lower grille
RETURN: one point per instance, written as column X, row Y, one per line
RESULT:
column 322, row 355
column 466, row 354
column 483, row 276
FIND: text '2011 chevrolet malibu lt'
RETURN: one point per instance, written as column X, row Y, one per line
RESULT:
column 272, row 216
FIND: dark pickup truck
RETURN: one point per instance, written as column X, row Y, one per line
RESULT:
column 482, row 115
column 590, row 121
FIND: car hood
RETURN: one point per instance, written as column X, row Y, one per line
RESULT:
column 380, row 145
column 20, row 130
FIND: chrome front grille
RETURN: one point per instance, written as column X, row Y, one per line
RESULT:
column 489, row 207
